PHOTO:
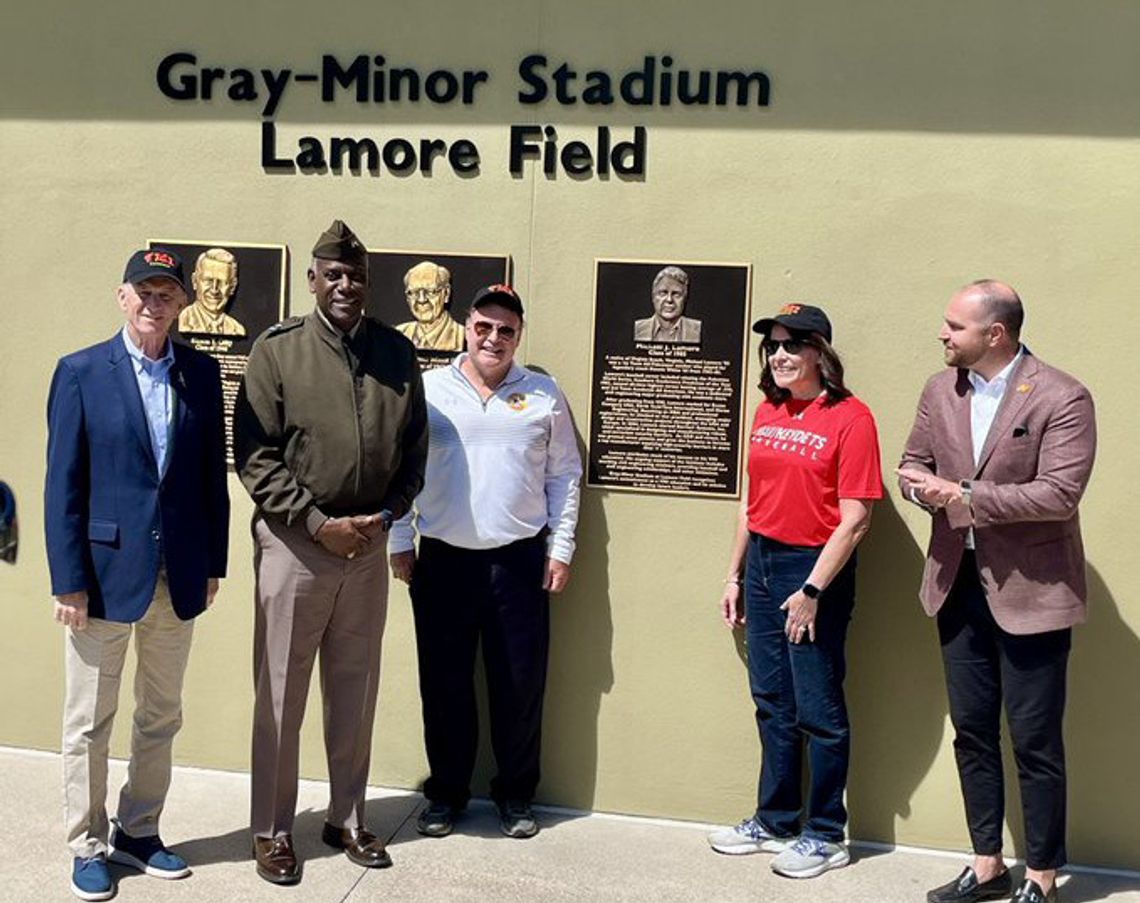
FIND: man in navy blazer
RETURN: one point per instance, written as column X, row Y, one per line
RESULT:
column 136, row 513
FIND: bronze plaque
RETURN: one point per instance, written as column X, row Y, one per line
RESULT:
column 425, row 295
column 667, row 377
column 237, row 291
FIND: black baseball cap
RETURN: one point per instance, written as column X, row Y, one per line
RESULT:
column 798, row 317
column 154, row 263
column 501, row 294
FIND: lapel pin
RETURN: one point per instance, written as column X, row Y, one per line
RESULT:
column 1025, row 387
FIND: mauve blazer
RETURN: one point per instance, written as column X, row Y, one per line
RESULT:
column 1029, row 479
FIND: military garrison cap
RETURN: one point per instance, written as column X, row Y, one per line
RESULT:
column 338, row 242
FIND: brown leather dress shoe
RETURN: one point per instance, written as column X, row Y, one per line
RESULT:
column 276, row 861
column 359, row 844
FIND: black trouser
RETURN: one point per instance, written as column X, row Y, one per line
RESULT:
column 458, row 596
column 985, row 666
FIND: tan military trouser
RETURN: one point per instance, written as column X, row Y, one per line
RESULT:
column 308, row 600
column 94, row 665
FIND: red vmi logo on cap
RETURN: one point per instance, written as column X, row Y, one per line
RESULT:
column 502, row 287
column 159, row 259
column 790, row 309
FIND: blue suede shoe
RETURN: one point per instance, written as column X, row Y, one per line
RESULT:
column 147, row 854
column 91, row 879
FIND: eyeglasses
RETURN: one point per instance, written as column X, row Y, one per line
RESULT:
column 483, row 329
column 791, row 346
column 420, row 294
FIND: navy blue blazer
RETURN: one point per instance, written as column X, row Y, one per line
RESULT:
column 107, row 514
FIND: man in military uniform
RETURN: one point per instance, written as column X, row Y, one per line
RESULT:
column 330, row 440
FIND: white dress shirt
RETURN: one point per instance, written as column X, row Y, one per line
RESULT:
column 985, row 400
column 984, row 403
column 153, row 378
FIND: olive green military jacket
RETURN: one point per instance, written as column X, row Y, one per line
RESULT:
column 327, row 426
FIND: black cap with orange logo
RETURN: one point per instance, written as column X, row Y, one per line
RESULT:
column 154, row 263
column 501, row 294
column 797, row 317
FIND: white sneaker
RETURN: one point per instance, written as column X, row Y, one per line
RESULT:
column 808, row 857
column 747, row 837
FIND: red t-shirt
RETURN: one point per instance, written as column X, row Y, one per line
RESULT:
column 803, row 457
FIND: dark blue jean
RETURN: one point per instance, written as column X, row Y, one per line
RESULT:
column 798, row 691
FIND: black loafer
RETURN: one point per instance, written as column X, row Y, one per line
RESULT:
column 360, row 845
column 1030, row 892
column 966, row 888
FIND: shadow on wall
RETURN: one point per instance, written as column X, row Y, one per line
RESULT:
column 581, row 659
column 895, row 689
column 897, row 697
column 581, row 667
column 1102, row 736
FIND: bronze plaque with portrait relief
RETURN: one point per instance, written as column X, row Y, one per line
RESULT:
column 237, row 291
column 670, row 343
column 425, row 295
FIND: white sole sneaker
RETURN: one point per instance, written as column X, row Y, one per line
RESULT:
column 747, row 837
column 836, row 860
column 92, row 896
column 124, row 858
column 729, row 848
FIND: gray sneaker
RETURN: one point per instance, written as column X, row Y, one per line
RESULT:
column 747, row 837
column 516, row 819
column 808, row 857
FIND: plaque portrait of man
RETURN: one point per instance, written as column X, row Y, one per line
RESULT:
column 225, row 318
column 667, row 396
column 668, row 323
column 424, row 293
column 427, row 289
column 214, row 281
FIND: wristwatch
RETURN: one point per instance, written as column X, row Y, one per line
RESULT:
column 967, row 492
column 811, row 590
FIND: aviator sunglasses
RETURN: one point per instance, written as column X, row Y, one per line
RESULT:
column 483, row 329
column 791, row 346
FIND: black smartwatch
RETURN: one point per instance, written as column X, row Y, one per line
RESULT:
column 811, row 590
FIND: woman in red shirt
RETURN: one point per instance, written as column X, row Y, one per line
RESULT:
column 813, row 475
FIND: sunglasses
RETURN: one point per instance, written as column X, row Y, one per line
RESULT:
column 791, row 346
column 483, row 329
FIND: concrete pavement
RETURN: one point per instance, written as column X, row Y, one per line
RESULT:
column 576, row 857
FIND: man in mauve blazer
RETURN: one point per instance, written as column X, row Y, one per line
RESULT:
column 136, row 513
column 1000, row 453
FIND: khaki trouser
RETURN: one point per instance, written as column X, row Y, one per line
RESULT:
column 310, row 600
column 94, row 665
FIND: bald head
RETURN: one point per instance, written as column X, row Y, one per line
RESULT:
column 1000, row 304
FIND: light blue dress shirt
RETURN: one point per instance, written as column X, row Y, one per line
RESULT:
column 153, row 378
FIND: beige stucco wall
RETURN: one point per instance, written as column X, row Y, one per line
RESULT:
column 909, row 148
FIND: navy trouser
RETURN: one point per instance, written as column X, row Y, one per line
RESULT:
column 798, row 691
column 460, row 596
column 984, row 667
